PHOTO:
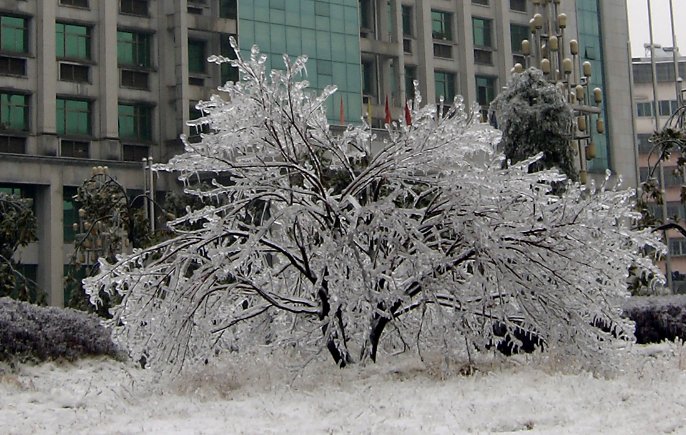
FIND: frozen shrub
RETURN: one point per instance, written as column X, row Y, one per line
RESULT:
column 41, row 333
column 657, row 318
column 344, row 243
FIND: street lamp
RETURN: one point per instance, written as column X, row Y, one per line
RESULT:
column 548, row 50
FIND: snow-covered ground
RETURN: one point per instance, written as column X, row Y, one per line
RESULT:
column 644, row 393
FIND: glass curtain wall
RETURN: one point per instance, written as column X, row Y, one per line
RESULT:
column 328, row 31
column 591, row 49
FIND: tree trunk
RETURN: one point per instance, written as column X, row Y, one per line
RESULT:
column 335, row 339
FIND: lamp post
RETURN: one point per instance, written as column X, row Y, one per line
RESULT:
column 149, row 192
column 547, row 49
column 96, row 238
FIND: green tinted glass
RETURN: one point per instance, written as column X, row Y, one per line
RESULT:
column 517, row 35
column 73, row 41
column 135, row 122
column 125, row 48
column 133, row 49
column 13, row 34
column 482, row 32
column 441, row 26
column 196, row 56
column 73, row 117
column 445, row 86
column 13, row 112
column 328, row 31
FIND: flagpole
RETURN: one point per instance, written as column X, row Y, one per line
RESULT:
column 675, row 56
column 661, row 170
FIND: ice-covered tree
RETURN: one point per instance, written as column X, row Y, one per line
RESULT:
column 18, row 227
column 535, row 118
column 349, row 243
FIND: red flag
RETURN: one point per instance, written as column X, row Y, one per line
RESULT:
column 387, row 119
column 341, row 113
column 408, row 115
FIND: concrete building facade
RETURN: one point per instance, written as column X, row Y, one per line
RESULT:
column 75, row 99
column 645, row 109
column 97, row 83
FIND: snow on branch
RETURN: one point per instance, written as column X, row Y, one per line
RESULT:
column 314, row 240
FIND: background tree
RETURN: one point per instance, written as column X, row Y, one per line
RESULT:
column 424, row 242
column 108, row 224
column 17, row 228
column 535, row 118
column 111, row 221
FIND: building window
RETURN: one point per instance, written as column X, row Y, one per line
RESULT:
column 443, row 50
column 322, row 9
column 135, row 122
column 196, row 7
column 441, row 25
column 279, row 5
column 14, row 35
column 134, row 153
column 407, row 45
column 197, row 60
column 73, row 41
column 69, row 213
column 481, row 29
column 133, row 49
column 518, row 33
column 518, row 5
column 134, row 79
column 77, row 3
column 675, row 211
column 228, row 9
column 677, row 247
column 483, row 41
column 369, row 78
column 12, row 66
column 134, row 7
column 667, row 107
column 480, row 2
column 407, row 20
column 445, row 86
column 14, row 112
column 73, row 117
column 366, row 15
column 324, row 67
column 644, row 145
column 12, row 144
column 70, row 72
column 74, row 148
column 410, row 77
column 485, row 93
column 644, row 109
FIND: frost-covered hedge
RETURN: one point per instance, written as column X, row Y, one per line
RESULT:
column 657, row 318
column 30, row 332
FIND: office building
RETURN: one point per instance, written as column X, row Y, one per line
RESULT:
column 72, row 98
column 647, row 122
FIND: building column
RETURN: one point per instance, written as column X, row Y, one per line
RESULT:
column 107, row 131
column 50, row 215
column 425, row 72
column 46, row 81
column 466, row 81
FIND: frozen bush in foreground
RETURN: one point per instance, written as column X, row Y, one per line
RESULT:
column 30, row 332
column 318, row 241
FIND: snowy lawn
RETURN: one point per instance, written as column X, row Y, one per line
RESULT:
column 645, row 393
